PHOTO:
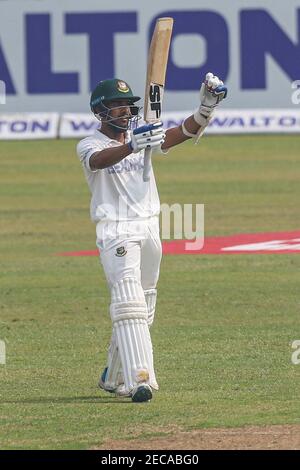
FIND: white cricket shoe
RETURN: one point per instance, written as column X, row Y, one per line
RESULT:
column 121, row 391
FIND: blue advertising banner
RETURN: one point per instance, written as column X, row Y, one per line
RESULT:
column 52, row 54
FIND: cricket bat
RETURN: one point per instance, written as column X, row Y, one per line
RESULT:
column 156, row 76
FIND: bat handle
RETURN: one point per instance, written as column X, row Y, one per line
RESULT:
column 147, row 165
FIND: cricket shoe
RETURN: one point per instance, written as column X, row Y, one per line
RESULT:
column 101, row 383
column 141, row 393
column 122, row 392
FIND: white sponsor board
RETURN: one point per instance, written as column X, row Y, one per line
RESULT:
column 25, row 126
column 245, row 121
column 263, row 121
column 77, row 125
column 230, row 121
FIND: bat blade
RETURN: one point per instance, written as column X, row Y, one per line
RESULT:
column 156, row 75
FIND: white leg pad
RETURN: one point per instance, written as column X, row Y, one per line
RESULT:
column 150, row 297
column 114, row 376
column 129, row 316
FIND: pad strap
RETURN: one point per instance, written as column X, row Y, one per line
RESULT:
column 150, row 297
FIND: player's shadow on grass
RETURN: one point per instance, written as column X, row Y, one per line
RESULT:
column 86, row 399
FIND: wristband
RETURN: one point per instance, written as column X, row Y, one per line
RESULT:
column 200, row 118
column 185, row 131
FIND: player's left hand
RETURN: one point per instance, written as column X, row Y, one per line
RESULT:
column 212, row 92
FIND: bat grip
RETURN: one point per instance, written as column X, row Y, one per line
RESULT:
column 147, row 165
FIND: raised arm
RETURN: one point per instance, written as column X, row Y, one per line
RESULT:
column 212, row 91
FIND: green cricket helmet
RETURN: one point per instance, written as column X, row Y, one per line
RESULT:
column 111, row 90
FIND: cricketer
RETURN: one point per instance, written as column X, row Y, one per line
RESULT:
column 126, row 211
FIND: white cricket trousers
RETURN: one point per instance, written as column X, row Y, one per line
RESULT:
column 130, row 249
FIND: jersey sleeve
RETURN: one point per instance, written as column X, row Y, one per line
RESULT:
column 161, row 151
column 85, row 150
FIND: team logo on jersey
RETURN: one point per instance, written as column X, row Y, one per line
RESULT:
column 121, row 251
column 123, row 87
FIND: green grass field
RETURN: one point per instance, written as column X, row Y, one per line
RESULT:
column 224, row 325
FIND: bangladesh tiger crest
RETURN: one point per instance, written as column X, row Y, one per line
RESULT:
column 123, row 87
column 121, row 251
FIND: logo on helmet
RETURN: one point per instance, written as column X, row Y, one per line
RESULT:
column 123, row 87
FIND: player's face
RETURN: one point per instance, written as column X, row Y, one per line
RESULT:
column 120, row 112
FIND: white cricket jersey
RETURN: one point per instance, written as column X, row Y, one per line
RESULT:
column 118, row 192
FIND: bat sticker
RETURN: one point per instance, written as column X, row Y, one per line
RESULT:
column 155, row 101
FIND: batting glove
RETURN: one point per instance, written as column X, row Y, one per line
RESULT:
column 149, row 136
column 212, row 91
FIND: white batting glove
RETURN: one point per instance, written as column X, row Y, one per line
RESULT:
column 149, row 136
column 212, row 91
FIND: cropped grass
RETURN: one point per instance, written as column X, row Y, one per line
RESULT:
column 224, row 324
